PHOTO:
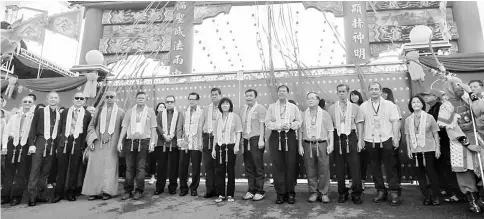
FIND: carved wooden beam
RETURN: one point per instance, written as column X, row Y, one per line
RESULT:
column 391, row 33
column 335, row 7
column 204, row 12
column 164, row 57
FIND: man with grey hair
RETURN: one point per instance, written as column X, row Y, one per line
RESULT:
column 42, row 141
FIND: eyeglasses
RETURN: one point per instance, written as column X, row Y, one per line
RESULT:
column 79, row 98
column 110, row 97
column 27, row 101
column 170, row 102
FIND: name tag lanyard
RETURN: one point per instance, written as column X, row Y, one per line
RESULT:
column 375, row 116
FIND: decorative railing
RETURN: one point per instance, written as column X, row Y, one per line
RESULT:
column 370, row 69
column 46, row 63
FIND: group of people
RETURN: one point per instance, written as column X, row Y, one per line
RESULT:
column 353, row 131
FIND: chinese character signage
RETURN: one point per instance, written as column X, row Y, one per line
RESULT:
column 356, row 32
column 182, row 38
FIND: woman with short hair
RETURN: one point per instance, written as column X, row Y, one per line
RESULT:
column 423, row 144
column 227, row 134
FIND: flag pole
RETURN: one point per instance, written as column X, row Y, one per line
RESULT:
column 41, row 50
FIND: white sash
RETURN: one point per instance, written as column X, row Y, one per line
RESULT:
column 191, row 129
column 210, row 112
column 418, row 139
column 144, row 114
column 112, row 120
column 249, row 119
column 346, row 129
column 223, row 129
column 47, row 134
column 164, row 121
column 277, row 112
column 25, row 127
column 319, row 123
column 79, row 122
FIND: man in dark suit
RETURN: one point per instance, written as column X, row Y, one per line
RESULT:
column 72, row 133
column 42, row 141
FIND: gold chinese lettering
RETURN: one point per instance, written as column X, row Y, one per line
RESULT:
column 178, row 31
column 179, row 46
column 356, row 9
column 357, row 23
column 178, row 60
column 179, row 18
column 181, row 6
column 358, row 37
column 360, row 53
column 177, row 72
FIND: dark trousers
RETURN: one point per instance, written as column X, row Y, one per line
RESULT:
column 53, row 172
column 225, row 165
column 68, row 166
column 364, row 163
column 254, row 165
column 284, row 162
column 16, row 172
column 447, row 178
column 167, row 162
column 209, row 164
column 427, row 169
column 389, row 157
column 41, row 166
column 151, row 163
column 347, row 159
column 195, row 157
column 135, row 164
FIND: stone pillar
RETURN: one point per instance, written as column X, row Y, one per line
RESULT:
column 93, row 30
column 181, row 52
column 471, row 37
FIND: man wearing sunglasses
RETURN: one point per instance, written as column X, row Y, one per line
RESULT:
column 139, row 127
column 42, row 141
column 15, row 138
column 191, row 145
column 170, row 128
column 101, row 179
column 72, row 134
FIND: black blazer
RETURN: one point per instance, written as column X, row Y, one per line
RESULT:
column 62, row 128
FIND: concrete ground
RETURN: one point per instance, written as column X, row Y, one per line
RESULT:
column 174, row 206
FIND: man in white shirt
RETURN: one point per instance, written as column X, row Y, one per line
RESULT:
column 380, row 131
column 283, row 119
column 15, row 139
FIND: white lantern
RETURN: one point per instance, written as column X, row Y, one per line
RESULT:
column 420, row 34
column 94, row 57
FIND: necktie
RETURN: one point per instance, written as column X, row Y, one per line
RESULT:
column 74, row 120
column 22, row 119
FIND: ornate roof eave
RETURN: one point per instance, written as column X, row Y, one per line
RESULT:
column 144, row 4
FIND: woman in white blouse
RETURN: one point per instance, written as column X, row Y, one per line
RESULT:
column 423, row 144
column 227, row 134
